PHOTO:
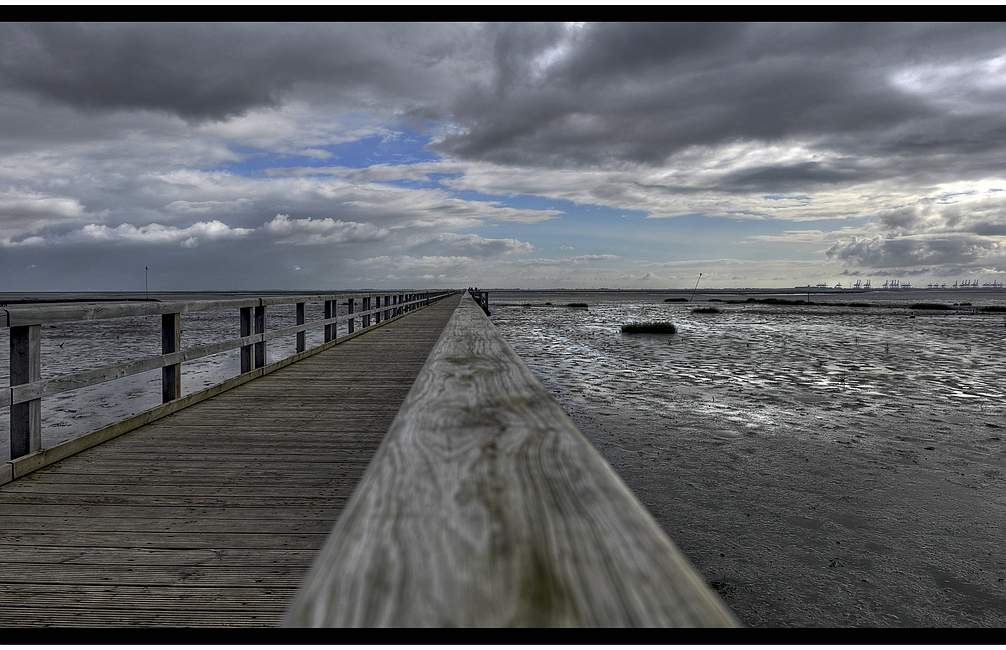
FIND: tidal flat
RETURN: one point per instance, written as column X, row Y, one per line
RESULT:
column 821, row 465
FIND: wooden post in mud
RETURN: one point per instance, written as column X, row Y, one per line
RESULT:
column 330, row 310
column 171, row 341
column 246, row 330
column 486, row 506
column 25, row 368
column 260, row 353
column 301, row 336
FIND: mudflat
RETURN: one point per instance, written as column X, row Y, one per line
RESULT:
column 820, row 465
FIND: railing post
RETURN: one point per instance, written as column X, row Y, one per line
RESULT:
column 352, row 320
column 260, row 329
column 377, row 305
column 329, row 312
column 25, row 368
column 246, row 330
column 366, row 307
column 171, row 341
column 387, row 303
column 301, row 336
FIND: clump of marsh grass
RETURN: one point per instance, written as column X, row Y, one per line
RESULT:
column 578, row 305
column 768, row 301
column 994, row 308
column 780, row 301
column 705, row 310
column 675, row 299
column 929, row 305
column 655, row 327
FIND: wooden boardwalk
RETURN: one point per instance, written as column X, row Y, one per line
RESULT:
column 211, row 516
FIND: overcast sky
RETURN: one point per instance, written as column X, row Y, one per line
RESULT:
column 351, row 156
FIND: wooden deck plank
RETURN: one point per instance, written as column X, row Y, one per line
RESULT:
column 212, row 515
column 152, row 499
column 103, row 555
column 122, row 596
column 86, row 617
column 216, row 576
column 152, row 523
column 163, row 540
column 161, row 512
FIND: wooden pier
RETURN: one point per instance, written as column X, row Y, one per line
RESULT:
column 210, row 516
column 475, row 500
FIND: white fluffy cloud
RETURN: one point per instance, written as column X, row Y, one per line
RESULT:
column 322, row 231
column 154, row 233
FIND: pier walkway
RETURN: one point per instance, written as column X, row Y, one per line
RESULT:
column 213, row 515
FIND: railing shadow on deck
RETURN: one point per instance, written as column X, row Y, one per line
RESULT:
column 486, row 506
column 27, row 388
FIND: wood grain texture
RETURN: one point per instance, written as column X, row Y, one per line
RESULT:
column 210, row 516
column 486, row 506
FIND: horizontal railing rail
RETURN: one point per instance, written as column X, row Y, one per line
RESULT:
column 485, row 505
column 27, row 388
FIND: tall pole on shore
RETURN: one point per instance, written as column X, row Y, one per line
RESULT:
column 696, row 287
column 146, row 282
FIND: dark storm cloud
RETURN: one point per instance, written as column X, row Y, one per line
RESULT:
column 783, row 178
column 894, row 252
column 901, row 218
column 203, row 71
column 547, row 94
column 641, row 92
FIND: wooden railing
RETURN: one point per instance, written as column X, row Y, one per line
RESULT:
column 486, row 506
column 481, row 298
column 27, row 388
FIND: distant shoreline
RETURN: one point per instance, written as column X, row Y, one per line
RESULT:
column 12, row 298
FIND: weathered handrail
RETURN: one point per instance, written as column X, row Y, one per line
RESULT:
column 486, row 506
column 27, row 388
column 481, row 298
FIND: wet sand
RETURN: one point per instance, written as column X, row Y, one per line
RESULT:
column 819, row 465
